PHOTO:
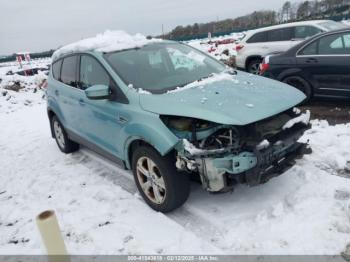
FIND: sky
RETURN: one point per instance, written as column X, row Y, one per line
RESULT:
column 38, row 25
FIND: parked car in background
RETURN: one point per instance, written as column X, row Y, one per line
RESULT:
column 279, row 38
column 166, row 110
column 320, row 66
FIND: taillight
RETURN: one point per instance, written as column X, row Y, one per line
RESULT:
column 263, row 67
column 239, row 47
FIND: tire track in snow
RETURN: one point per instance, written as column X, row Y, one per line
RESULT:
column 184, row 216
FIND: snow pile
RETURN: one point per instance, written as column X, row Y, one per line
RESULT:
column 303, row 118
column 17, row 91
column 347, row 22
column 218, row 47
column 206, row 81
column 108, row 41
column 263, row 144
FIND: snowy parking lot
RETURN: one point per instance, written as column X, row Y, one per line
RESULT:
column 304, row 211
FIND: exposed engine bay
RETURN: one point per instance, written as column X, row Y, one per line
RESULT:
column 225, row 155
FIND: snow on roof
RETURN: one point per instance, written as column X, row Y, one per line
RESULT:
column 108, row 41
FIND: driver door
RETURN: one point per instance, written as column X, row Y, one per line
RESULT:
column 99, row 118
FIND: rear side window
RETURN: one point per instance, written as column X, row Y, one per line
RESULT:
column 336, row 44
column 346, row 38
column 311, row 49
column 332, row 45
column 92, row 73
column 258, row 38
column 283, row 34
column 56, row 69
column 302, row 32
column 69, row 71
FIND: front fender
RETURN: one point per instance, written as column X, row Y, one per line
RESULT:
column 156, row 134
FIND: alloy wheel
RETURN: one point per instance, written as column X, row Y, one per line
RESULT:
column 151, row 180
column 59, row 134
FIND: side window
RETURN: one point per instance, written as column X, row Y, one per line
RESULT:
column 302, row 32
column 311, row 49
column 56, row 69
column 346, row 38
column 69, row 71
column 92, row 73
column 331, row 44
column 283, row 34
column 258, row 38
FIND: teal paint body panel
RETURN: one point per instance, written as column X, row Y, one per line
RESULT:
column 244, row 100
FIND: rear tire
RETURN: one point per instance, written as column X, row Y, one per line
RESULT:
column 301, row 84
column 156, row 177
column 64, row 143
column 253, row 66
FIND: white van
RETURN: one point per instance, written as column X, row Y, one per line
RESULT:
column 275, row 39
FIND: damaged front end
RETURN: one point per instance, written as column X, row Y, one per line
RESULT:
column 226, row 155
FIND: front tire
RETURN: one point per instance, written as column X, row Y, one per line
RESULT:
column 161, row 186
column 301, row 84
column 64, row 143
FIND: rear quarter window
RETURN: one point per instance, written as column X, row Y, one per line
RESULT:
column 56, row 70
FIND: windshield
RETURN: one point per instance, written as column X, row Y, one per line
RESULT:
column 162, row 66
column 331, row 25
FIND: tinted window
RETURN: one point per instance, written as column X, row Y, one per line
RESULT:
column 302, row 32
column 283, row 34
column 258, row 38
column 56, row 69
column 346, row 38
column 92, row 73
column 331, row 44
column 311, row 49
column 69, row 69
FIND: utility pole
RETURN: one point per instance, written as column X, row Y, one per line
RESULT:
column 163, row 30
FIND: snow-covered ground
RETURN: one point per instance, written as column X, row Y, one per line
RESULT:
column 213, row 47
column 304, row 211
column 30, row 91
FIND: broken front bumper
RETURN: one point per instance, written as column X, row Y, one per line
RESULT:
column 219, row 172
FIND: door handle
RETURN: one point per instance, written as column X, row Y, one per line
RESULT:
column 81, row 102
column 311, row 60
column 57, row 93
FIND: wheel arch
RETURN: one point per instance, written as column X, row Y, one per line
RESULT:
column 251, row 58
column 51, row 114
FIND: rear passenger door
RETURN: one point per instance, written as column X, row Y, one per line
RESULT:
column 68, row 94
column 280, row 40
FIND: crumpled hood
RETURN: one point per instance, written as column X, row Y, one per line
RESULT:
column 241, row 100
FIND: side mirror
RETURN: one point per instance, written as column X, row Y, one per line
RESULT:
column 98, row 92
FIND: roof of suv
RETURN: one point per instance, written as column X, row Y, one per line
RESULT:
column 109, row 41
column 311, row 22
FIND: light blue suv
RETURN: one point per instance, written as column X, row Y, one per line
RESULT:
column 170, row 112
